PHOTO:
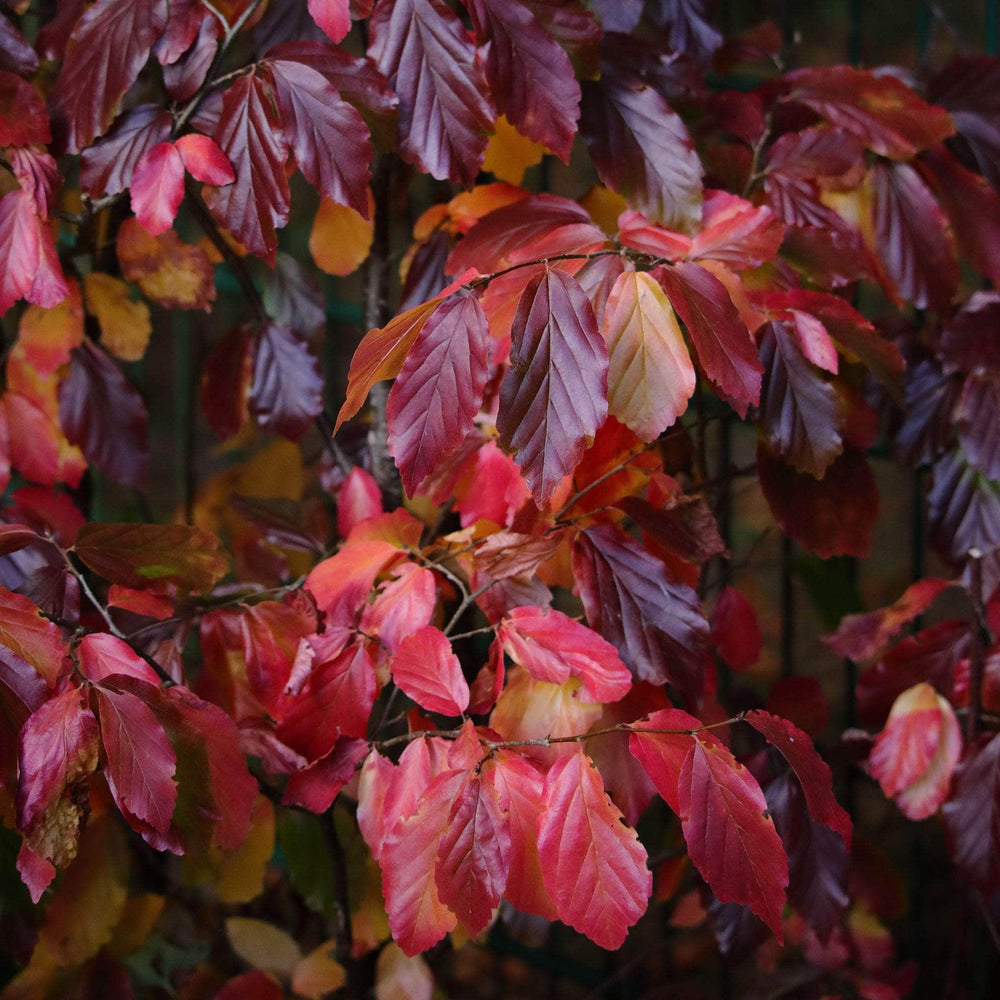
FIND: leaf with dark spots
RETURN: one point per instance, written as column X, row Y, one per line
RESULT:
column 137, row 555
column 107, row 49
column 799, row 409
column 912, row 238
column 421, row 48
column 439, row 390
column 656, row 625
column 327, row 135
column 101, row 411
column 641, row 149
column 721, row 339
column 529, row 73
column 250, row 134
column 553, row 397
column 287, row 387
column 831, row 516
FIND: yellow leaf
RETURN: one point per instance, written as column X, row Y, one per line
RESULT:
column 340, row 237
column 604, row 206
column 242, row 874
column 175, row 274
column 650, row 376
column 125, row 325
column 263, row 945
column 319, row 973
column 138, row 920
column 509, row 153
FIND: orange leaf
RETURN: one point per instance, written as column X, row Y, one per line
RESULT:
column 340, row 237
column 175, row 274
column 125, row 325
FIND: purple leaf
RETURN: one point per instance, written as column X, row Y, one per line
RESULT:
column 977, row 415
column 101, row 411
column 929, row 401
column 656, row 625
column 287, row 392
column 970, row 341
column 445, row 117
column 251, row 136
column 529, row 73
column 554, row 395
column 107, row 49
column 107, row 166
column 689, row 30
column 972, row 815
column 17, row 55
column 641, row 149
column 964, row 508
column 439, row 390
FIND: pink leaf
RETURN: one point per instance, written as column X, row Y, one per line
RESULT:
column 101, row 655
column 662, row 754
column 553, row 647
column 158, row 188
column 916, row 753
column 593, row 865
column 36, row 872
column 404, row 605
column 203, row 159
column 29, row 266
column 553, row 397
column 426, row 669
column 358, row 499
column 333, row 16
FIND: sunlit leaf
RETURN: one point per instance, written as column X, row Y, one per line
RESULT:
column 340, row 238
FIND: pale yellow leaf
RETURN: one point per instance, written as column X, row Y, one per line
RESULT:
column 319, row 973
column 263, row 945
column 398, row 977
column 650, row 375
column 340, row 237
column 125, row 325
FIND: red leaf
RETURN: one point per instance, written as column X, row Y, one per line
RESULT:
column 358, row 499
column 972, row 815
column 439, row 389
column 529, row 74
column 831, row 516
column 271, row 635
column 253, row 985
column 735, row 630
column 684, row 526
column 553, row 647
column 102, row 655
column 662, row 754
column 552, row 399
column 251, row 137
column 158, row 187
column 24, row 120
column 29, row 266
column 911, row 237
column 520, row 787
column 140, row 762
column 421, row 48
column 138, row 554
column 641, row 148
column 474, row 853
column 107, row 166
column 333, row 16
column 225, row 386
column 315, row 787
column 328, row 137
column 287, row 389
column 650, row 376
column 418, row 918
column 106, row 52
column 593, row 865
column 735, row 232
column 880, row 109
column 36, row 872
column 58, row 748
column 721, row 340
column 916, row 753
column 426, row 669
column 863, row 636
column 342, row 583
column 655, row 624
column 101, row 411
column 811, row 770
column 731, row 840
column 38, row 174
column 203, row 159
column 799, row 410
column 33, row 638
column 14, row 537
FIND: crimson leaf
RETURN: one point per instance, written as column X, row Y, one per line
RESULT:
column 287, row 391
column 421, row 48
column 553, row 396
column 107, row 49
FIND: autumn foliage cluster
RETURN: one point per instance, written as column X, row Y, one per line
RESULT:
column 426, row 637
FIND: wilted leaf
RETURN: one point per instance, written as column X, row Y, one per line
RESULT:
column 107, row 49
column 174, row 274
column 125, row 325
column 650, row 375
column 553, row 396
column 445, row 113
column 593, row 865
column 137, row 554
column 439, row 389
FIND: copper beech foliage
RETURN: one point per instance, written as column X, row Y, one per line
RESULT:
column 480, row 689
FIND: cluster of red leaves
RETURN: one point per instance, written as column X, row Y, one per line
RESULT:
column 545, row 354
